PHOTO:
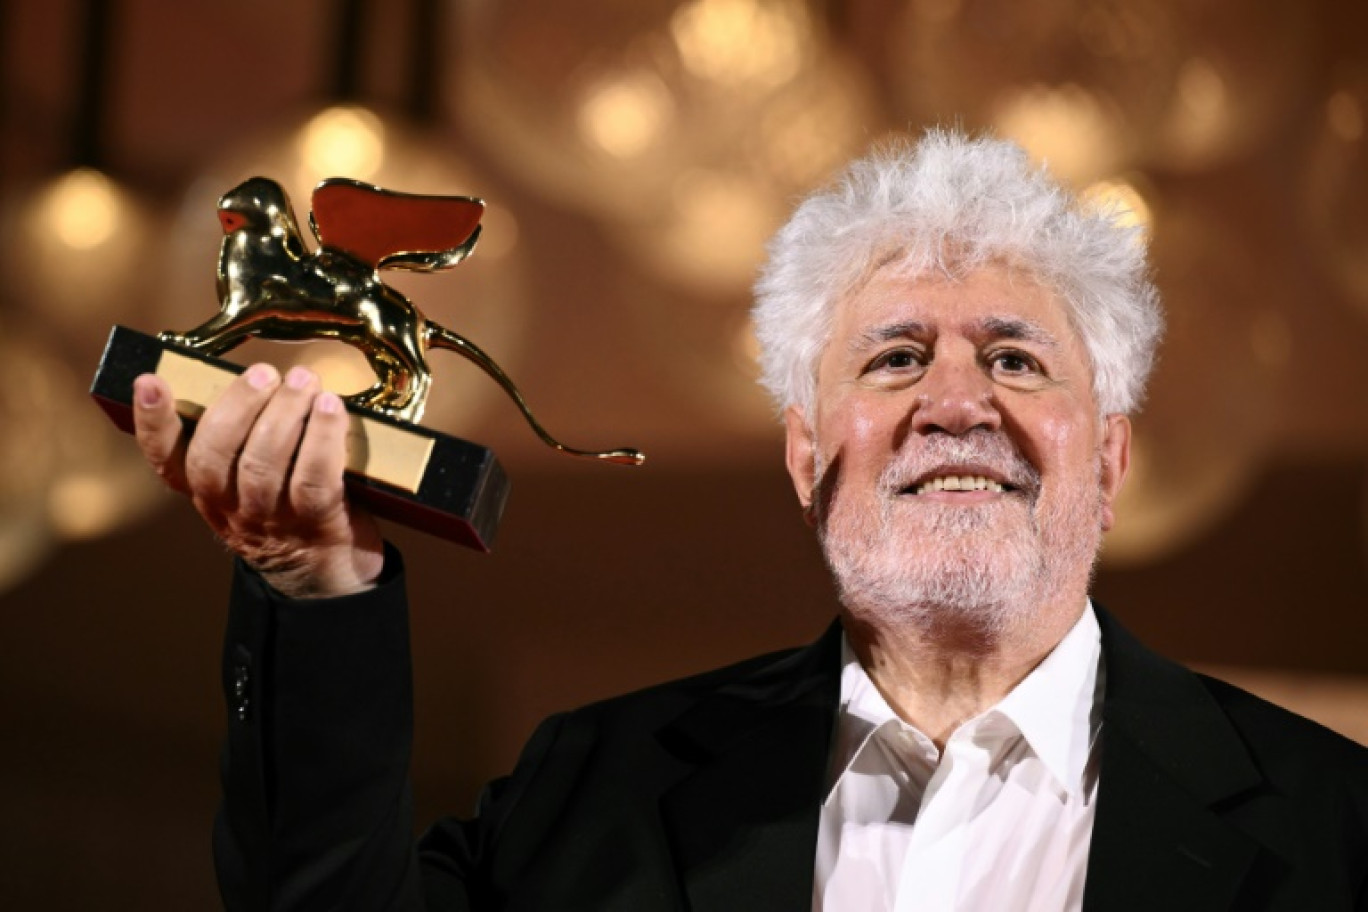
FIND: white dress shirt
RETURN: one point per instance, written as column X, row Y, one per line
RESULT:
column 1001, row 821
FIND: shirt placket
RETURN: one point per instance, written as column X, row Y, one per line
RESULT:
column 933, row 866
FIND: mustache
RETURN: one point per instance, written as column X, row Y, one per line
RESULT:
column 989, row 450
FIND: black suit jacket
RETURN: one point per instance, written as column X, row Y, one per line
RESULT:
column 703, row 794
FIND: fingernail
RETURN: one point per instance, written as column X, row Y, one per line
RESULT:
column 329, row 403
column 261, row 376
column 298, row 377
column 148, row 394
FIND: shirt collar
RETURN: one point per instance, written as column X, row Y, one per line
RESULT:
column 1067, row 679
column 863, row 711
column 1069, row 676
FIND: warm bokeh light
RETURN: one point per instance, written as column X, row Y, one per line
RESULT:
column 626, row 114
column 736, row 43
column 79, row 257
column 688, row 128
column 811, row 130
column 1201, row 89
column 83, row 209
column 717, row 228
column 1067, row 127
column 1201, row 116
column 1122, row 200
column 1101, row 85
column 84, row 505
column 1335, row 187
column 1203, row 434
column 345, row 140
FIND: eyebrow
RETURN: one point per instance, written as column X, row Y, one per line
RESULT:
column 877, row 335
column 992, row 327
column 1012, row 328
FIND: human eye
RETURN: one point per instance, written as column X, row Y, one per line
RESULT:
column 895, row 363
column 893, row 368
column 1014, row 364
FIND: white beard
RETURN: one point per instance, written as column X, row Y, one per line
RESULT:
column 983, row 567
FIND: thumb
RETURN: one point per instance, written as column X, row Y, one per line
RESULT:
column 159, row 431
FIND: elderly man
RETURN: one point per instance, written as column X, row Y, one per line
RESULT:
column 956, row 345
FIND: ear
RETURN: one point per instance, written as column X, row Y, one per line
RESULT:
column 799, row 454
column 1116, row 440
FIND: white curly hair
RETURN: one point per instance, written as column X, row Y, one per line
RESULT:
column 951, row 202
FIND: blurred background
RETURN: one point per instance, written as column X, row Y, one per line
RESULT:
column 635, row 154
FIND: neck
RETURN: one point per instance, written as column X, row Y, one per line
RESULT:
column 940, row 674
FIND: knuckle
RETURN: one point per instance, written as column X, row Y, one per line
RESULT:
column 255, row 471
column 258, row 484
column 314, row 497
column 155, row 441
column 256, row 505
column 198, row 472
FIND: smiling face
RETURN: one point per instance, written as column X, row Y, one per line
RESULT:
column 957, row 466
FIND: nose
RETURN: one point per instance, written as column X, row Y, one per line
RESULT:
column 954, row 397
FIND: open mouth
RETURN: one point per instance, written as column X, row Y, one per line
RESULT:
column 959, row 483
column 959, row 480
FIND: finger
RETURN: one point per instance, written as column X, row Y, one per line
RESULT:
column 316, row 485
column 212, row 454
column 158, row 430
column 264, row 466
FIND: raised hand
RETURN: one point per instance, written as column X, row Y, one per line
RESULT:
column 264, row 468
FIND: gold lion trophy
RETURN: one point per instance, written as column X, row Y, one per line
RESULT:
column 271, row 286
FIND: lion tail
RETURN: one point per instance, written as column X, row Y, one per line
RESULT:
column 438, row 336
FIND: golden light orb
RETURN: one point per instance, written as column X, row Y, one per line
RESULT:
column 343, row 140
column 82, row 209
column 1120, row 199
column 625, row 114
column 739, row 42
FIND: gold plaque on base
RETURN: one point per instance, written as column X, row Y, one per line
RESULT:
column 413, row 475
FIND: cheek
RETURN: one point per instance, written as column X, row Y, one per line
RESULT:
column 860, row 430
column 1067, row 442
column 1058, row 434
column 865, row 429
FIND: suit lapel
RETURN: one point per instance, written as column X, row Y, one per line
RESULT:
column 1169, row 755
column 742, row 821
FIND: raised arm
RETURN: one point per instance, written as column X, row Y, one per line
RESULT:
column 316, row 811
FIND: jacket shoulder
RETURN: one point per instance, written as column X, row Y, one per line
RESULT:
column 1290, row 747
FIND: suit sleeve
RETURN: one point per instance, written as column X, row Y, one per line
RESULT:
column 317, row 807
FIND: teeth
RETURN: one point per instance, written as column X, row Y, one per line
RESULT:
column 959, row 483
